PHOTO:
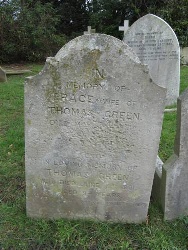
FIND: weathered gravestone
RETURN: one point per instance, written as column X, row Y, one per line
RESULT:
column 125, row 27
column 174, row 182
column 92, row 125
column 156, row 45
column 3, row 77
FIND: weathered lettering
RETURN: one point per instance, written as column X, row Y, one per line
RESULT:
column 90, row 141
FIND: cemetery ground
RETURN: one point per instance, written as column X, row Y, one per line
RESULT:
column 17, row 231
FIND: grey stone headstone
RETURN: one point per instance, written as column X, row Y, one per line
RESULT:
column 174, row 183
column 156, row 45
column 3, row 77
column 90, row 144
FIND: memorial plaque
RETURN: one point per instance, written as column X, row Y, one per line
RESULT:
column 156, row 45
column 92, row 126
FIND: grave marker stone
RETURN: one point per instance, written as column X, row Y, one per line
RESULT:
column 174, row 182
column 3, row 77
column 90, row 144
column 156, row 45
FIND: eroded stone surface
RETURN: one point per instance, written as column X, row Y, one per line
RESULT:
column 156, row 45
column 92, row 126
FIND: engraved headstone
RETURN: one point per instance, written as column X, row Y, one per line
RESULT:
column 156, row 45
column 90, row 144
column 174, row 182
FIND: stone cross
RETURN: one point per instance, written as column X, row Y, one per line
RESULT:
column 89, row 30
column 125, row 27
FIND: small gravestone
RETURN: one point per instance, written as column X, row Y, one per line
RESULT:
column 92, row 126
column 174, row 182
column 3, row 77
column 156, row 45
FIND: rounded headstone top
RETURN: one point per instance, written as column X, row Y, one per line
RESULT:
column 101, row 42
column 153, row 23
column 156, row 44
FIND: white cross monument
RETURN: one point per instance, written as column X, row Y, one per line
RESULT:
column 89, row 30
column 125, row 27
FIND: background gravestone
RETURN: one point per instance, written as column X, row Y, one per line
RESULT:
column 174, row 182
column 92, row 125
column 156, row 45
column 3, row 77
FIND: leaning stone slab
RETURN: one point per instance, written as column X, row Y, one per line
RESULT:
column 156, row 45
column 92, row 126
column 3, row 77
column 174, row 182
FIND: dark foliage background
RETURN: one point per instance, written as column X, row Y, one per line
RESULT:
column 31, row 30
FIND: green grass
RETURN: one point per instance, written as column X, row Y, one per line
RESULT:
column 17, row 231
column 169, row 125
column 184, row 78
column 166, row 146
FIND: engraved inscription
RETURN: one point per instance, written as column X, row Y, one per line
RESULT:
column 149, row 46
column 63, row 162
column 122, row 115
column 60, row 97
column 69, row 111
column 98, row 73
column 100, row 176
